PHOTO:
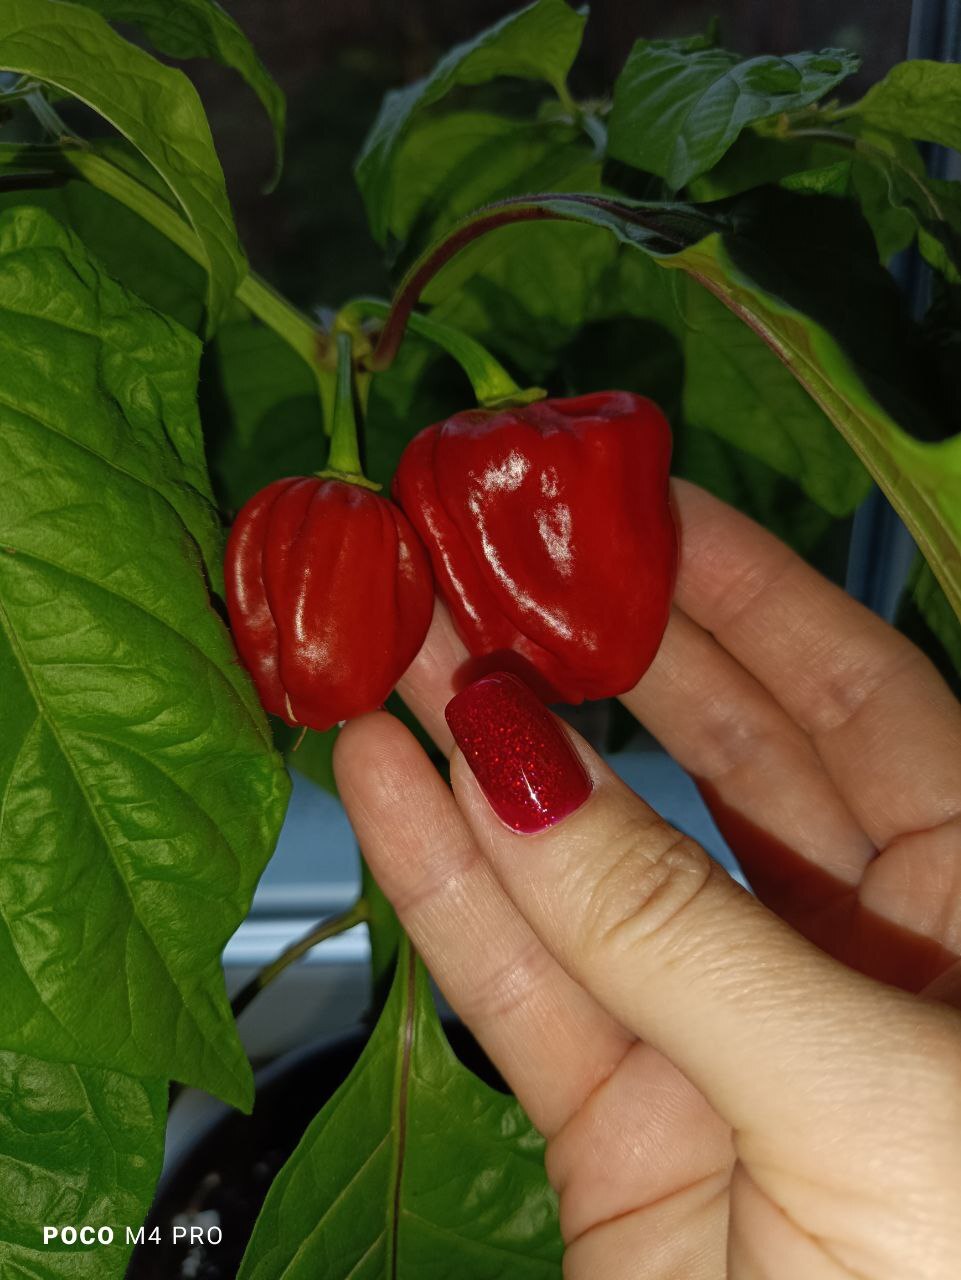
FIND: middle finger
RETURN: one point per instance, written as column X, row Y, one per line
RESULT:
column 549, row 1039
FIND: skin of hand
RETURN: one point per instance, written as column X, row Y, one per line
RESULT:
column 760, row 1088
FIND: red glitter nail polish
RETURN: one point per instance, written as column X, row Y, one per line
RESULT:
column 522, row 759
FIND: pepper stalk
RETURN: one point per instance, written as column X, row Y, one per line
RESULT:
column 493, row 385
column 343, row 460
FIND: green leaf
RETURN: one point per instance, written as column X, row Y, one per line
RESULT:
column 524, row 291
column 737, row 388
column 537, row 43
column 900, row 200
column 939, row 234
column 922, row 480
column 917, row 99
column 743, row 481
column 414, row 1169
column 202, row 29
column 142, row 259
column 155, row 107
column 879, row 188
column 79, row 1146
column 143, row 796
column 756, row 159
column 449, row 165
column 677, row 109
column 826, row 180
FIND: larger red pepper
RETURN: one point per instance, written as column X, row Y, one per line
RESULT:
column 551, row 537
column 330, row 596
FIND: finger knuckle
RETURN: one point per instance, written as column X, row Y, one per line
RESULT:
column 654, row 876
column 443, row 870
column 508, row 987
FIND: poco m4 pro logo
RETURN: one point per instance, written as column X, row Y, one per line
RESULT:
column 87, row 1235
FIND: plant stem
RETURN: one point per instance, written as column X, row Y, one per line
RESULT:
column 493, row 385
column 46, row 114
column 344, row 454
column 545, row 206
column 430, row 262
column 566, row 99
column 329, row 928
column 343, row 461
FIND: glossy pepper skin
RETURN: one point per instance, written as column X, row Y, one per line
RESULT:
column 551, row 536
column 330, row 595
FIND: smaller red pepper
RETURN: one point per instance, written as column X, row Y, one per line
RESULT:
column 330, row 595
column 550, row 533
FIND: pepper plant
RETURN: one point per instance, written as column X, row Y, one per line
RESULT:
column 714, row 232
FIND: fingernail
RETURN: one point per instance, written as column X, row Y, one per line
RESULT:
column 525, row 764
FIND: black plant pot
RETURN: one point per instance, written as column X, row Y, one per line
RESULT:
column 223, row 1178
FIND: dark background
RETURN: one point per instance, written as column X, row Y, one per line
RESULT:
column 335, row 59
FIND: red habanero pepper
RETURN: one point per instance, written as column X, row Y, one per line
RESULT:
column 330, row 596
column 551, row 537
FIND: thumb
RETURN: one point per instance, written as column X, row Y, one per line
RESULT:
column 774, row 1033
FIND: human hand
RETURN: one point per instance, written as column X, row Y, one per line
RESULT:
column 721, row 1096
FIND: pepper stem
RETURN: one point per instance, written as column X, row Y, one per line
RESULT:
column 343, row 461
column 493, row 385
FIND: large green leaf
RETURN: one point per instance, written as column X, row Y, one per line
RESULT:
column 737, row 388
column 142, row 794
column 414, row 1169
column 917, row 99
column 155, row 107
column 141, row 258
column 678, row 106
column 836, row 321
column 78, row 1146
column 537, row 43
column 922, row 480
column 202, row 29
column 741, row 479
